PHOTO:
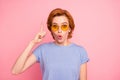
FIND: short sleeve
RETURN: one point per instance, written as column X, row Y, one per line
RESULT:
column 37, row 53
column 83, row 56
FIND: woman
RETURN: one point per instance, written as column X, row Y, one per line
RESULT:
column 61, row 59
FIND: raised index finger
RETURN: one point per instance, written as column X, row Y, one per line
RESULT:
column 41, row 27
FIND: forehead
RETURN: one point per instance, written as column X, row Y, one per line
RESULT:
column 60, row 19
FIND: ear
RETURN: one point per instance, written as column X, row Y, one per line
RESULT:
column 69, row 30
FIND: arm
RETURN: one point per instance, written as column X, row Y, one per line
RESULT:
column 83, row 72
column 26, row 59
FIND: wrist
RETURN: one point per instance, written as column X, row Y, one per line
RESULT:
column 32, row 42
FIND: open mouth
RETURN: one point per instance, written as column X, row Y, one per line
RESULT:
column 59, row 37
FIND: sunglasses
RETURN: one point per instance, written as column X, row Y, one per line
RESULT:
column 64, row 27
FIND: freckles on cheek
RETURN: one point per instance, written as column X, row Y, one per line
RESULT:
column 66, row 34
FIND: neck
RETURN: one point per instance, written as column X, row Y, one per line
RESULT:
column 65, row 43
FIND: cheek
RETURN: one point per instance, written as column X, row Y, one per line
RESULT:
column 66, row 34
column 54, row 34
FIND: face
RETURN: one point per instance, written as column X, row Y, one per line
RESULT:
column 60, row 29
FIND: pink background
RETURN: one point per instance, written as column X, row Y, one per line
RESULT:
column 97, row 29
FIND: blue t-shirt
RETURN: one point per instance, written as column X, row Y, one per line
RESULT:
column 60, row 62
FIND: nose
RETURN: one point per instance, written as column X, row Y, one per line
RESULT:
column 59, row 30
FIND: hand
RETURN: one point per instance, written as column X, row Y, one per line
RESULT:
column 39, row 35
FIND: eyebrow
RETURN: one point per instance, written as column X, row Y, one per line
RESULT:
column 62, row 23
column 54, row 23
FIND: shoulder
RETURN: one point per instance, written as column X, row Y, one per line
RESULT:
column 78, row 46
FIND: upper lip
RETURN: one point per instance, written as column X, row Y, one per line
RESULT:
column 59, row 35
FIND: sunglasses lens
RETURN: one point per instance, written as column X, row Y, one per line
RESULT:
column 54, row 27
column 64, row 27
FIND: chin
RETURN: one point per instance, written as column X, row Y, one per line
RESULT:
column 60, row 41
